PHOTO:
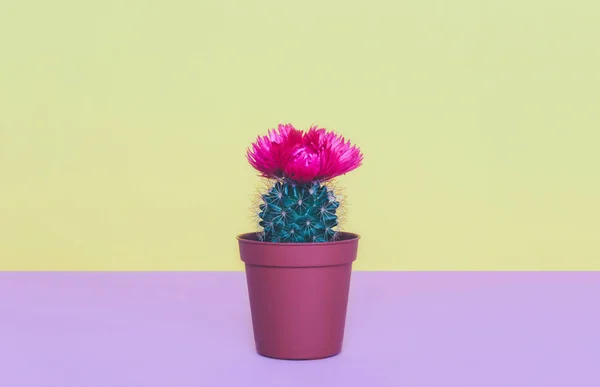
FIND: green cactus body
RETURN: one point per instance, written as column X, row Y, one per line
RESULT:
column 298, row 213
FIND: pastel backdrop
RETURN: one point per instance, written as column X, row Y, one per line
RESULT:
column 123, row 127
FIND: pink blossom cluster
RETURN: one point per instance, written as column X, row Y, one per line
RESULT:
column 303, row 157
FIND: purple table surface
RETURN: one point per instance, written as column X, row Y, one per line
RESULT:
column 181, row 329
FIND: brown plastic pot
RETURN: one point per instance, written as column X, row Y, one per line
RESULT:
column 298, row 295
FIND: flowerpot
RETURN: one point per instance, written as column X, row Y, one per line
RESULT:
column 298, row 295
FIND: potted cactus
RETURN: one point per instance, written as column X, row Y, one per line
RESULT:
column 298, row 263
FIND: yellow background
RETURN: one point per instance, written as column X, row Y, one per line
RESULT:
column 123, row 127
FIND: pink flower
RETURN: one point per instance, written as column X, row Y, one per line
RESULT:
column 338, row 156
column 267, row 152
column 303, row 157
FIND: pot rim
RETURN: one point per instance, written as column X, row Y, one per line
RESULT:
column 245, row 238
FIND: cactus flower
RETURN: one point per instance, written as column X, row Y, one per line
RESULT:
column 303, row 157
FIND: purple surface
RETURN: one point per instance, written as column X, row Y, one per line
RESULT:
column 404, row 329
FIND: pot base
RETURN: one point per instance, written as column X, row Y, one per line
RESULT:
column 297, row 358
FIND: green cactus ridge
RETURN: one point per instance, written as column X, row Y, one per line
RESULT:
column 298, row 213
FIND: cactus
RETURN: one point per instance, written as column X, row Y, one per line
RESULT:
column 298, row 213
column 299, row 207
